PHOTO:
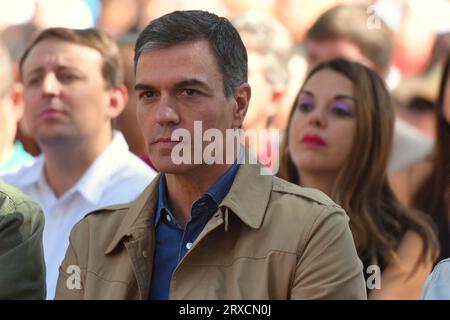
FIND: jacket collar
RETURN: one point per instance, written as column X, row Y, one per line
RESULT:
column 248, row 199
column 249, row 195
column 139, row 215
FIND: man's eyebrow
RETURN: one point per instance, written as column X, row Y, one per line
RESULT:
column 41, row 69
column 178, row 85
column 191, row 82
column 142, row 87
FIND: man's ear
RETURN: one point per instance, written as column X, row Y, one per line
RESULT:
column 241, row 98
column 118, row 101
column 17, row 100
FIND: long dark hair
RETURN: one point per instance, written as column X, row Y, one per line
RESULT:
column 377, row 219
column 431, row 195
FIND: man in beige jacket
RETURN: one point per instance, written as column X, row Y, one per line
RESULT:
column 207, row 229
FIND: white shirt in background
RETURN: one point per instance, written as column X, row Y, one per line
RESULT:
column 116, row 176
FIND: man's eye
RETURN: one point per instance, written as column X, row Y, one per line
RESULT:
column 33, row 81
column 190, row 92
column 67, row 77
column 147, row 94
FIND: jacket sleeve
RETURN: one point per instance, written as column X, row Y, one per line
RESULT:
column 70, row 285
column 328, row 266
column 22, row 266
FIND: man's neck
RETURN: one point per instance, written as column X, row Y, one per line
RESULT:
column 66, row 163
column 183, row 190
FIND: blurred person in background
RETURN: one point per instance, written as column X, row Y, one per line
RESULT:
column 242, row 7
column 342, row 32
column 426, row 184
column 152, row 9
column 338, row 141
column 415, row 96
column 298, row 15
column 268, row 47
column 119, row 17
column 73, row 89
column 12, row 153
column 127, row 122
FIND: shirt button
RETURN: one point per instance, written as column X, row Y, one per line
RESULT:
column 144, row 254
column 189, row 245
column 169, row 219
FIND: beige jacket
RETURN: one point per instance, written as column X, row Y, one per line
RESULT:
column 269, row 239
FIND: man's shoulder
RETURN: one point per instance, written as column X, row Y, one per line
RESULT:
column 108, row 219
column 13, row 197
column 13, row 201
column 116, row 208
column 111, row 216
column 111, row 212
column 292, row 205
column 302, row 194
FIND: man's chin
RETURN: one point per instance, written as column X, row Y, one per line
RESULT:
column 52, row 138
column 172, row 168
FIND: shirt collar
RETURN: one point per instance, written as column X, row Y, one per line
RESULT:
column 31, row 173
column 94, row 181
column 217, row 191
column 248, row 199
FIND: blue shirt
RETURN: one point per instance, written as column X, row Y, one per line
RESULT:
column 19, row 158
column 172, row 241
column 437, row 286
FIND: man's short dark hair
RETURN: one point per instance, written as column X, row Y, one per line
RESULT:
column 189, row 26
column 93, row 38
column 350, row 22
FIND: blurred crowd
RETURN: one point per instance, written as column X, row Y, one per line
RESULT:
column 416, row 43
column 406, row 43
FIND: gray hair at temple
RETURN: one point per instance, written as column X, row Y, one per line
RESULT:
column 6, row 72
column 181, row 27
column 269, row 38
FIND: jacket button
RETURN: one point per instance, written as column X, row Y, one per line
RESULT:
column 144, row 254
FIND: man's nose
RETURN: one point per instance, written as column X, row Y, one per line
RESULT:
column 166, row 111
column 50, row 85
